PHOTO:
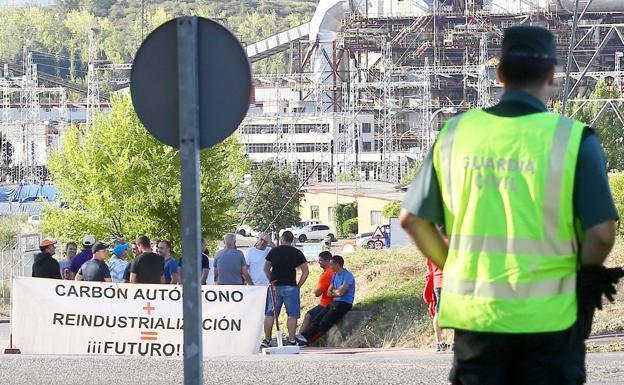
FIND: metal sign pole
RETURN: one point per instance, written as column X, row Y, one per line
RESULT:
column 188, row 117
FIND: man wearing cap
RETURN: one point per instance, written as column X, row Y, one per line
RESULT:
column 118, row 263
column 95, row 270
column 524, row 197
column 82, row 257
column 44, row 265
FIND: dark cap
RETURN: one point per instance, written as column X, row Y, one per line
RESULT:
column 529, row 42
column 99, row 246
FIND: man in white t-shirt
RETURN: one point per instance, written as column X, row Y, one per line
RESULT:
column 255, row 258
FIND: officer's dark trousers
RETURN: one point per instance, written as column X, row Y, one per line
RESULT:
column 514, row 359
column 330, row 316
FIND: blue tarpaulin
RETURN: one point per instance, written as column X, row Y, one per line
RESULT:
column 27, row 193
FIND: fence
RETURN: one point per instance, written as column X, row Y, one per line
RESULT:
column 16, row 259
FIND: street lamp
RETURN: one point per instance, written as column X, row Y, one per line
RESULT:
column 444, row 110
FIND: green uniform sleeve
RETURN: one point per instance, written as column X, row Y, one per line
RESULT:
column 423, row 197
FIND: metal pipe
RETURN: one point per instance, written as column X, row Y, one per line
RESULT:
column 188, row 106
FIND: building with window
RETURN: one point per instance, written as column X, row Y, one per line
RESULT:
column 283, row 129
column 320, row 199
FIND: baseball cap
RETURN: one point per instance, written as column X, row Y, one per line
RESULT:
column 119, row 249
column 47, row 242
column 530, row 42
column 88, row 240
column 99, row 246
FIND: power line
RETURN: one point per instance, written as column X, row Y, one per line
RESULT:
column 292, row 196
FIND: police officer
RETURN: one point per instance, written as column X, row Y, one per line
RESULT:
column 509, row 183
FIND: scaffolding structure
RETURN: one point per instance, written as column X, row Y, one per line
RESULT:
column 411, row 71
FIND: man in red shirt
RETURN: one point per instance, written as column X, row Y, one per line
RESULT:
column 434, row 274
column 434, row 281
column 320, row 291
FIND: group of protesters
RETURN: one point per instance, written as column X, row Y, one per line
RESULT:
column 152, row 261
column 265, row 264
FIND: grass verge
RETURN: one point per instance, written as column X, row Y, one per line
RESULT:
column 389, row 284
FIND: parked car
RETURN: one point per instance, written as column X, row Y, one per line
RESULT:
column 366, row 239
column 303, row 224
column 34, row 220
column 245, row 231
column 316, row 232
column 300, row 225
column 367, row 242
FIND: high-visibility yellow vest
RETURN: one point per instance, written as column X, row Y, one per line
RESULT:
column 507, row 186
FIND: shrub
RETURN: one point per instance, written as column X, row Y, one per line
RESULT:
column 350, row 226
column 392, row 209
column 616, row 181
column 344, row 212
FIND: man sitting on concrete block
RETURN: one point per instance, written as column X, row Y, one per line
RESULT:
column 342, row 289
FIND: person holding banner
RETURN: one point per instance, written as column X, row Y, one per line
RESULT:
column 171, row 266
column 82, row 257
column 118, row 264
column 44, row 265
column 95, row 270
column 71, row 249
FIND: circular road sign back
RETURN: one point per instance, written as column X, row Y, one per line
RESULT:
column 224, row 82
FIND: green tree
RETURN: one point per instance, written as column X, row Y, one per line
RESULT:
column 117, row 180
column 616, row 182
column 271, row 198
column 392, row 209
column 344, row 212
column 608, row 127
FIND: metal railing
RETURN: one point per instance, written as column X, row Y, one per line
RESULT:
column 16, row 259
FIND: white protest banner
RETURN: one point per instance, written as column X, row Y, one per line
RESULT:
column 68, row 317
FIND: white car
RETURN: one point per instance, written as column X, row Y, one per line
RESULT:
column 300, row 226
column 246, row 231
column 34, row 220
column 317, row 232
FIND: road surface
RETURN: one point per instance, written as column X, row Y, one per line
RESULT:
column 359, row 366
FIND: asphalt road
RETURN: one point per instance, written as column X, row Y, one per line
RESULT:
column 312, row 367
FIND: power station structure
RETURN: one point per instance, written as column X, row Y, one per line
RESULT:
column 370, row 81
column 33, row 118
column 367, row 87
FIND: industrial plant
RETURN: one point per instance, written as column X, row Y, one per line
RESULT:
column 370, row 83
column 367, row 86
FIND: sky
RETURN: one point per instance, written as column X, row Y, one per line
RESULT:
column 21, row 2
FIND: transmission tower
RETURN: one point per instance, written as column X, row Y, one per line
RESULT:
column 387, row 170
column 483, row 81
column 93, row 87
column 30, row 111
